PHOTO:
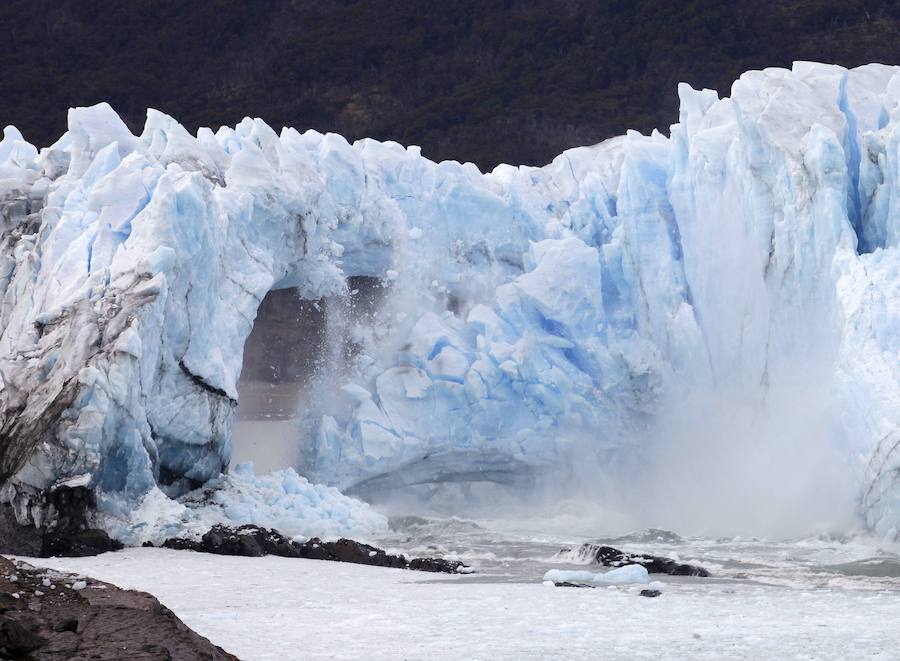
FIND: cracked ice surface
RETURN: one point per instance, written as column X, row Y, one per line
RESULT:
column 753, row 252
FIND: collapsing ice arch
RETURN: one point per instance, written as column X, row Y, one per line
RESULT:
column 760, row 237
column 297, row 349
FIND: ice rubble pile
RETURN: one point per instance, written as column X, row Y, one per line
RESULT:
column 531, row 312
column 281, row 500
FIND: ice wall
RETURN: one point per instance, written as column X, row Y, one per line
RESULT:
column 529, row 314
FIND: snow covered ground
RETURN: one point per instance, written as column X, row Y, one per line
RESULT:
column 792, row 603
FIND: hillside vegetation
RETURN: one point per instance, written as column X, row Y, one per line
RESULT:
column 482, row 80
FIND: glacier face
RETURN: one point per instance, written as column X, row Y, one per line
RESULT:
column 529, row 315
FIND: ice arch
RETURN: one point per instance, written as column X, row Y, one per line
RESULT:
column 135, row 267
column 532, row 311
column 154, row 255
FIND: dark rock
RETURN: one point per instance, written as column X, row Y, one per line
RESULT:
column 66, row 624
column 68, row 534
column 69, row 508
column 657, row 565
column 61, row 646
column 254, row 541
column 435, row 565
column 101, row 623
column 243, row 541
column 16, row 639
column 182, row 544
column 8, row 602
column 347, row 550
column 77, row 544
column 17, row 539
column 650, row 593
column 654, row 564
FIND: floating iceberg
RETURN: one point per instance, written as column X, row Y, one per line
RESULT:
column 619, row 576
column 527, row 315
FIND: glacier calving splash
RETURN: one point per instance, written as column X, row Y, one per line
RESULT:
column 530, row 315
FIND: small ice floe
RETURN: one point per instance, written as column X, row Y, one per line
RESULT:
column 13, row 579
column 564, row 576
column 620, row 576
column 79, row 585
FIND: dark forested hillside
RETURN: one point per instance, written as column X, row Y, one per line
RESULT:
column 482, row 80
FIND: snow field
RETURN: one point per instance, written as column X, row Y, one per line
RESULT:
column 275, row 608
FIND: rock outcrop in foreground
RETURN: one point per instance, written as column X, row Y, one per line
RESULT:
column 51, row 616
column 68, row 531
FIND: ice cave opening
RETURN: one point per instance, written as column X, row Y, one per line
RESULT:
column 298, row 351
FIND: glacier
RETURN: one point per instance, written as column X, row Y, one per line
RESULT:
column 530, row 318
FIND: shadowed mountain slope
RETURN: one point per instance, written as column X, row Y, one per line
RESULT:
column 482, row 80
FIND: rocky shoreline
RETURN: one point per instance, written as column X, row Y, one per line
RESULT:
column 73, row 537
column 608, row 556
column 46, row 615
column 254, row 541
column 51, row 616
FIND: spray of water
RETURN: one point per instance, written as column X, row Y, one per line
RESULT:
column 756, row 461
column 719, row 465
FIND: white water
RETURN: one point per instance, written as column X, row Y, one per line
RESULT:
column 522, row 550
